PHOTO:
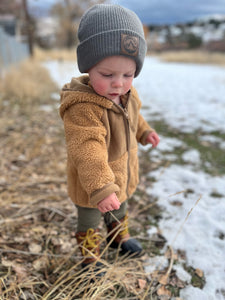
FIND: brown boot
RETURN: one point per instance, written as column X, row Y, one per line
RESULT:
column 89, row 245
column 120, row 237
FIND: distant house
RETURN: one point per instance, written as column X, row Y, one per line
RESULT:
column 208, row 34
column 46, row 29
column 8, row 23
column 12, row 27
column 12, row 47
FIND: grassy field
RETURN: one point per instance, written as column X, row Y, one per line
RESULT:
column 188, row 56
column 27, row 84
column 39, row 255
column 193, row 56
column 54, row 54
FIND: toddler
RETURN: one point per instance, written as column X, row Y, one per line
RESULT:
column 103, row 124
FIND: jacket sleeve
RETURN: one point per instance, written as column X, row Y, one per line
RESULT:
column 143, row 130
column 86, row 147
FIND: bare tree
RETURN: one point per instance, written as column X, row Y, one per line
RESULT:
column 29, row 27
column 19, row 9
column 10, row 7
column 68, row 14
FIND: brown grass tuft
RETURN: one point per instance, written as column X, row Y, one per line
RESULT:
column 54, row 54
column 191, row 56
column 26, row 83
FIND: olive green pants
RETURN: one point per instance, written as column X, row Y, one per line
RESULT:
column 91, row 217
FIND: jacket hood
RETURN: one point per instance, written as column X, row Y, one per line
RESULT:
column 80, row 91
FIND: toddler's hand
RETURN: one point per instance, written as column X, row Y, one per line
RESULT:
column 153, row 139
column 109, row 203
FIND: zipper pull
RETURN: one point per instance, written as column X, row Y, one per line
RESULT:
column 126, row 113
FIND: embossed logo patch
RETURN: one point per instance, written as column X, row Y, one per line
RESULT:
column 129, row 44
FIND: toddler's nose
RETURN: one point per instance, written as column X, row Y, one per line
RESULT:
column 117, row 82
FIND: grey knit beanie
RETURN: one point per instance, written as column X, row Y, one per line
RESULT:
column 107, row 30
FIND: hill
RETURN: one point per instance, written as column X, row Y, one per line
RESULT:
column 206, row 32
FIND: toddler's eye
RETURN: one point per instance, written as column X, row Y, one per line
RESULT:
column 106, row 75
column 128, row 75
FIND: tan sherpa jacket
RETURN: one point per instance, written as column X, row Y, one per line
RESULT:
column 101, row 140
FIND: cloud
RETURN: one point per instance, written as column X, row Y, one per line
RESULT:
column 172, row 11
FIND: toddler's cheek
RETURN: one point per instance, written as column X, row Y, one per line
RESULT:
column 100, row 89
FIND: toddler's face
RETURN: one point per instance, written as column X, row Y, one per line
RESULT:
column 112, row 77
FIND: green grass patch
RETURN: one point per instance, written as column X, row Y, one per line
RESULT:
column 212, row 156
column 196, row 280
column 216, row 195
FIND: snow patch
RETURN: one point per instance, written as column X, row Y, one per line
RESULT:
column 191, row 156
column 202, row 235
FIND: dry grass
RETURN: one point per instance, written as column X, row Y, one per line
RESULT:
column 55, row 273
column 27, row 83
column 199, row 57
column 189, row 56
column 40, row 258
column 54, row 54
column 192, row 56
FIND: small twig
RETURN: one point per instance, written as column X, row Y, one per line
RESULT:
column 164, row 168
column 36, row 254
column 181, row 192
column 171, row 261
column 145, row 208
column 114, row 217
column 164, row 278
column 24, row 215
column 182, row 225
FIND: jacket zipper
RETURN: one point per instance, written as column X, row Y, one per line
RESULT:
column 127, row 126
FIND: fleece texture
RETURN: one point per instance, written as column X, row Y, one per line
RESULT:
column 101, row 139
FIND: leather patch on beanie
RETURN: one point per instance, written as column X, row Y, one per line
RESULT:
column 129, row 44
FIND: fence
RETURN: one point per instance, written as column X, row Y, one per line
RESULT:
column 11, row 50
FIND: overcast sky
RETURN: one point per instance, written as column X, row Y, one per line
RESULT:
column 173, row 11
column 162, row 11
